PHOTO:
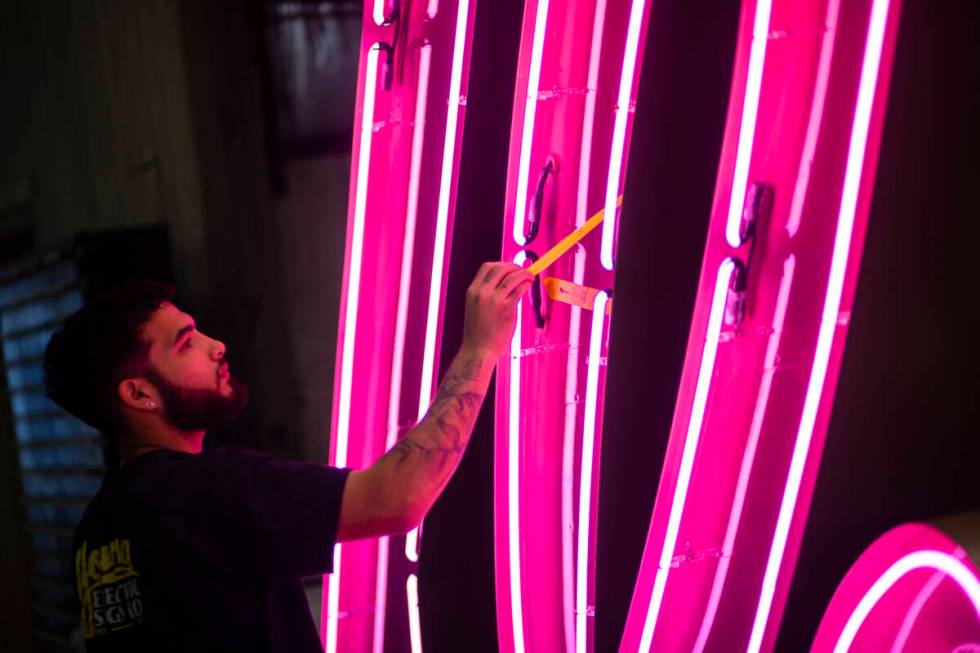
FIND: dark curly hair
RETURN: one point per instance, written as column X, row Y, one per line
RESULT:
column 97, row 347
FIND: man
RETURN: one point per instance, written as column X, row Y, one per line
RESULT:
column 190, row 550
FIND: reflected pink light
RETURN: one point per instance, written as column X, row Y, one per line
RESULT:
column 350, row 323
column 527, row 127
column 924, row 559
column 432, row 9
column 585, row 475
column 623, row 110
column 750, row 111
column 748, row 458
column 712, row 335
column 513, row 479
column 816, row 117
column 838, row 267
column 414, row 624
column 924, row 594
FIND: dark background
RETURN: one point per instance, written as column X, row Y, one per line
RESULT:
column 117, row 114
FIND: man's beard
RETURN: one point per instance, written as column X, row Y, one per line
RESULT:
column 189, row 409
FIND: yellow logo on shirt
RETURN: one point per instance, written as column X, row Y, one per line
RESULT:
column 108, row 588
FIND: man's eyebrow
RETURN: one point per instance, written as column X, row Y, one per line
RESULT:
column 184, row 330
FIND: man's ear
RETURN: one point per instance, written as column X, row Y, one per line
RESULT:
column 138, row 394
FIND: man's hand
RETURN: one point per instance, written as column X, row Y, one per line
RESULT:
column 491, row 307
column 396, row 492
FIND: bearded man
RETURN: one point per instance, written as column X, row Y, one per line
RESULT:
column 192, row 549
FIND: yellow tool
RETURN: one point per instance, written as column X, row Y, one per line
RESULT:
column 572, row 293
column 569, row 241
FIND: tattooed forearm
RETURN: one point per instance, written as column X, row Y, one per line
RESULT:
column 425, row 458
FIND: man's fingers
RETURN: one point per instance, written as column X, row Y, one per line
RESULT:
column 494, row 273
column 522, row 286
column 513, row 277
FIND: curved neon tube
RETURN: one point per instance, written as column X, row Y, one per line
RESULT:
column 750, row 111
column 619, row 132
column 711, row 338
column 379, row 12
column 835, row 287
column 513, row 479
column 925, row 559
column 527, row 127
column 585, row 476
column 748, row 458
column 350, row 322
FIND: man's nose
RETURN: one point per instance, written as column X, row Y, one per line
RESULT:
column 217, row 349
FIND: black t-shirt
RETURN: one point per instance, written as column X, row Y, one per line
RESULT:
column 181, row 552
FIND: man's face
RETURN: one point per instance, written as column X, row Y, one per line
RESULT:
column 189, row 370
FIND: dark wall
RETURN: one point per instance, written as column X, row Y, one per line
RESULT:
column 902, row 443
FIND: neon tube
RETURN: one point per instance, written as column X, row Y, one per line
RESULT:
column 442, row 214
column 585, row 487
column 568, row 456
column 412, row 545
column 414, row 625
column 432, row 9
column 816, row 118
column 619, row 131
column 748, row 458
column 835, row 286
column 379, row 12
column 750, row 110
column 527, row 127
column 571, row 375
column 401, row 320
column 439, row 250
column 588, row 120
column 925, row 559
column 513, row 479
column 712, row 335
column 350, row 321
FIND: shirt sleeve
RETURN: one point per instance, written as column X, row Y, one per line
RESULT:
column 260, row 517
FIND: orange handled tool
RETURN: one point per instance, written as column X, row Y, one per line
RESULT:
column 569, row 241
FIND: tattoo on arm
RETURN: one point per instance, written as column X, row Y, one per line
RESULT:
column 431, row 451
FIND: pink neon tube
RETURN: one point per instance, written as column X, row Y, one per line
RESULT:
column 711, row 337
column 915, row 588
column 949, row 565
column 623, row 111
column 530, row 107
column 706, row 550
column 547, row 450
column 342, row 434
column 750, row 112
column 395, row 157
column 835, row 287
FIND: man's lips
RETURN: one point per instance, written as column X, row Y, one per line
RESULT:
column 223, row 372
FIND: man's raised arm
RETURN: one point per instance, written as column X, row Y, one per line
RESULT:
column 395, row 493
